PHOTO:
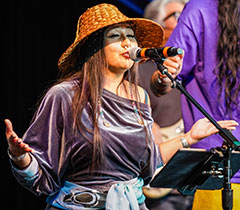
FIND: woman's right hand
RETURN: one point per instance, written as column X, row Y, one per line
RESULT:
column 16, row 146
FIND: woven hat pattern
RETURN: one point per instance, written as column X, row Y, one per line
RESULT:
column 147, row 32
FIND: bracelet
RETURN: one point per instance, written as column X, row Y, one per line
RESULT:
column 184, row 142
column 15, row 158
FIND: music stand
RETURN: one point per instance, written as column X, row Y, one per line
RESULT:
column 230, row 141
column 192, row 169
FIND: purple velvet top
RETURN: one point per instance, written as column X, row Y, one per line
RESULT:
column 197, row 33
column 64, row 154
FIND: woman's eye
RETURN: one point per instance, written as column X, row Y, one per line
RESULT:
column 131, row 36
column 113, row 35
column 116, row 35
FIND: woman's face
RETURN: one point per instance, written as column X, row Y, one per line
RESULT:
column 118, row 40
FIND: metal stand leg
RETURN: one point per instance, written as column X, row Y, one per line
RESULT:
column 227, row 192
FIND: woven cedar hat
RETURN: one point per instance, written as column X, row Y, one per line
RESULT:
column 147, row 32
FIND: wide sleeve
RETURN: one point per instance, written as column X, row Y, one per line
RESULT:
column 50, row 136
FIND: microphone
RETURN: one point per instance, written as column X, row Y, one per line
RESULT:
column 136, row 53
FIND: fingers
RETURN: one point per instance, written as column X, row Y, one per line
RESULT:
column 222, row 123
column 174, row 64
column 16, row 145
column 9, row 127
column 229, row 124
column 10, row 134
column 25, row 147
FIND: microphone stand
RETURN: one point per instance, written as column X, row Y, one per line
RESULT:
column 231, row 143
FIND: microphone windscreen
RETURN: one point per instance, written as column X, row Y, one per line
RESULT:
column 133, row 53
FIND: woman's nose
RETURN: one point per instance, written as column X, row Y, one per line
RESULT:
column 126, row 43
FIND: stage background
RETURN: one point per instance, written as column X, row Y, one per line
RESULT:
column 34, row 35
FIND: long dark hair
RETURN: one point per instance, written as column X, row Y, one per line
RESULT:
column 88, row 72
column 228, row 51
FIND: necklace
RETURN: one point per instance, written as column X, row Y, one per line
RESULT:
column 138, row 117
column 105, row 122
column 140, row 121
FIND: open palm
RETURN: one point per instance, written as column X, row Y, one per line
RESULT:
column 204, row 128
column 16, row 146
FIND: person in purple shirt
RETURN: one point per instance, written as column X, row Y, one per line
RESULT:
column 208, row 31
column 90, row 144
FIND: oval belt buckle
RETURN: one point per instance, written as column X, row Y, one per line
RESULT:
column 86, row 199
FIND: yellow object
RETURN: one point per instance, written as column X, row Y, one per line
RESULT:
column 212, row 199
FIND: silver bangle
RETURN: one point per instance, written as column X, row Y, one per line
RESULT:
column 184, row 142
column 15, row 158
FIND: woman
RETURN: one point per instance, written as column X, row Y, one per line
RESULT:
column 90, row 143
column 208, row 31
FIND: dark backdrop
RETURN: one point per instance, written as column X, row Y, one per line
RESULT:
column 35, row 34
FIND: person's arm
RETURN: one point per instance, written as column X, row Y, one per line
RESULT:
column 25, row 167
column 200, row 130
column 169, row 148
column 157, row 133
column 40, row 168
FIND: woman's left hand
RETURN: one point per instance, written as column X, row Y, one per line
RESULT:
column 204, row 128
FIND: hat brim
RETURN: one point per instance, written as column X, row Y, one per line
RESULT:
column 148, row 34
